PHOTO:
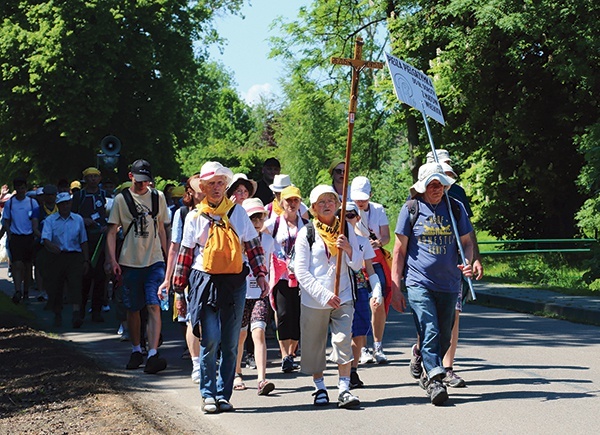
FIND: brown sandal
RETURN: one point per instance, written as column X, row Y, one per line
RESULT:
column 265, row 387
column 238, row 383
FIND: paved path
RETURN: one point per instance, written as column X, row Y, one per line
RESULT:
column 525, row 374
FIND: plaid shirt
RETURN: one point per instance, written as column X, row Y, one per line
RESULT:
column 185, row 259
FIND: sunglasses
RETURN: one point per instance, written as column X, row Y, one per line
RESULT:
column 339, row 171
column 351, row 215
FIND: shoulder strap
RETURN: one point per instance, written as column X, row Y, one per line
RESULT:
column 154, row 211
column 413, row 211
column 130, row 204
column 275, row 226
column 455, row 208
column 183, row 212
column 310, row 234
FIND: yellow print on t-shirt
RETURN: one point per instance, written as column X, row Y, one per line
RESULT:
column 436, row 236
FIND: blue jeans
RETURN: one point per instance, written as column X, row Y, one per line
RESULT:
column 433, row 313
column 220, row 330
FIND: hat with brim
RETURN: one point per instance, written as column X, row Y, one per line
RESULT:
column 141, row 171
column 291, row 192
column 91, row 171
column 442, row 155
column 427, row 173
column 360, row 189
column 63, row 197
column 241, row 179
column 321, row 190
column 211, row 170
column 280, row 182
column 75, row 185
column 334, row 164
column 254, row 206
column 50, row 189
column 447, row 168
column 178, row 192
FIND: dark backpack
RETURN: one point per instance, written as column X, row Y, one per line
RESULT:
column 134, row 213
column 310, row 238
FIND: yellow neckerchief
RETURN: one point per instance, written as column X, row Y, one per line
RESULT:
column 277, row 207
column 48, row 211
column 221, row 210
column 329, row 234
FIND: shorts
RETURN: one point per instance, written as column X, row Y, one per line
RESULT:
column 256, row 313
column 140, row 285
column 21, row 248
column 361, row 323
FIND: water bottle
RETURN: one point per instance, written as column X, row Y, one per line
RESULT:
column 164, row 300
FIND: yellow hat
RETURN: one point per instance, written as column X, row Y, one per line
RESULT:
column 91, row 171
column 335, row 163
column 291, row 192
column 178, row 192
column 75, row 185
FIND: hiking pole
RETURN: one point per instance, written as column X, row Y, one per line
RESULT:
column 452, row 218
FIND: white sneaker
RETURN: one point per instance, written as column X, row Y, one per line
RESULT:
column 365, row 356
column 380, row 357
column 196, row 375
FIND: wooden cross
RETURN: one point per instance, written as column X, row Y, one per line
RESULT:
column 357, row 65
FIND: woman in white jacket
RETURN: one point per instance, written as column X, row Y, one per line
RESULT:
column 315, row 269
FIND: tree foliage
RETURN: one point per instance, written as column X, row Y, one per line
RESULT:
column 313, row 122
column 517, row 82
column 75, row 70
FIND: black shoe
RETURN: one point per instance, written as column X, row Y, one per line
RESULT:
column 355, row 381
column 224, row 405
column 347, row 400
column 16, row 298
column 155, row 364
column 57, row 319
column 97, row 317
column 437, row 392
column 423, row 381
column 250, row 362
column 136, row 359
column 287, row 364
column 77, row 320
column 416, row 361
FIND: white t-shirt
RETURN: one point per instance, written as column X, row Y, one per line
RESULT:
column 315, row 270
column 141, row 247
column 195, row 232
column 281, row 242
column 372, row 219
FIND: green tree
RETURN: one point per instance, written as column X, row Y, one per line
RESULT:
column 75, row 70
column 313, row 121
column 517, row 82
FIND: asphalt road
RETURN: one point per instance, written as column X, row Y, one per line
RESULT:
column 524, row 374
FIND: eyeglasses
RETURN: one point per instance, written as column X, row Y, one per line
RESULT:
column 339, row 171
column 241, row 192
column 351, row 215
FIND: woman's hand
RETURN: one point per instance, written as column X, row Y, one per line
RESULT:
column 334, row 302
column 343, row 244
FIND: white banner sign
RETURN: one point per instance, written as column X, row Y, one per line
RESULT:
column 414, row 88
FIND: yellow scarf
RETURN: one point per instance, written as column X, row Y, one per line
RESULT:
column 221, row 210
column 277, row 207
column 329, row 234
column 50, row 211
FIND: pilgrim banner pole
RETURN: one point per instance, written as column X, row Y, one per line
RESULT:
column 357, row 65
column 412, row 87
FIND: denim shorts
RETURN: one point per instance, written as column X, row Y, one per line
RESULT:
column 140, row 285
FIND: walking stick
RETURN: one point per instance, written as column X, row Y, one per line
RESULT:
column 357, row 65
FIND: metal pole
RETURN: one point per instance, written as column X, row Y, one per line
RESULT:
column 454, row 224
